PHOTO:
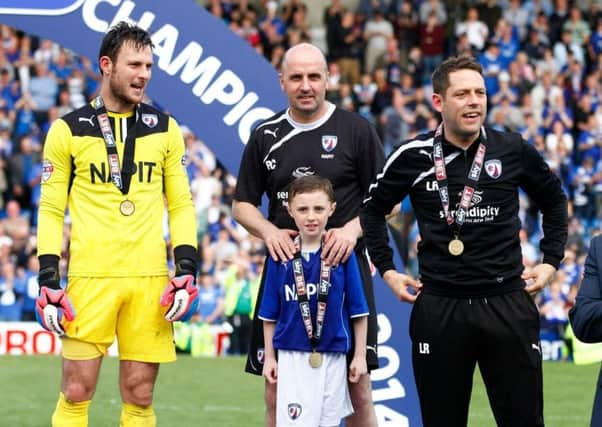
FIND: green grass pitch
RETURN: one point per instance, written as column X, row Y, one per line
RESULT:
column 216, row 393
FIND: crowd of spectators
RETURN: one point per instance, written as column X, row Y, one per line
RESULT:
column 542, row 62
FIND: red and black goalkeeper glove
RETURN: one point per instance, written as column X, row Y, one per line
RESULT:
column 52, row 303
column 181, row 296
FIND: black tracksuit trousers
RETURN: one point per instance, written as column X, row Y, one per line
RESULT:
column 500, row 333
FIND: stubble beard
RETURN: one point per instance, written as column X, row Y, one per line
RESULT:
column 306, row 111
column 120, row 94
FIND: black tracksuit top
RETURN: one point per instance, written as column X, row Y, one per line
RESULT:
column 491, row 263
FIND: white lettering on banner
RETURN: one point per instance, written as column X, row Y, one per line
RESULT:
column 386, row 416
column 53, row 9
column 89, row 15
column 209, row 84
column 218, row 91
column 124, row 12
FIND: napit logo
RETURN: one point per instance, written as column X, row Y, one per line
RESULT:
column 290, row 291
column 39, row 7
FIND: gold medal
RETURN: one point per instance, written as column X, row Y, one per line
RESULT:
column 315, row 359
column 455, row 247
column 127, row 207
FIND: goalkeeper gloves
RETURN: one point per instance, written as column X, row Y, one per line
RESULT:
column 181, row 294
column 52, row 303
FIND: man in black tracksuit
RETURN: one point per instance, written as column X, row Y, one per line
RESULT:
column 471, row 302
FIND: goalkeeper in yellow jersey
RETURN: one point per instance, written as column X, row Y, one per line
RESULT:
column 115, row 164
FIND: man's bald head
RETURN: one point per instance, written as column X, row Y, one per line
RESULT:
column 304, row 51
column 304, row 79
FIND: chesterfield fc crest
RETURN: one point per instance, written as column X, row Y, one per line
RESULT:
column 150, row 120
column 493, row 168
column 329, row 142
column 294, row 411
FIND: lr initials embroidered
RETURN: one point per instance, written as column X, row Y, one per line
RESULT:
column 423, row 348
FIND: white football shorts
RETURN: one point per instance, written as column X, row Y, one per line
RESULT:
column 311, row 397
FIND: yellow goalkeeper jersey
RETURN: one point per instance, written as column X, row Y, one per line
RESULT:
column 105, row 242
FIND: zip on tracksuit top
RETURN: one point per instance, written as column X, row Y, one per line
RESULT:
column 491, row 263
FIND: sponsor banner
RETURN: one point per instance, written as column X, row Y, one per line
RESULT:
column 29, row 338
column 210, row 79
column 393, row 388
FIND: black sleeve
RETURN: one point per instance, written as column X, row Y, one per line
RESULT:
column 545, row 188
column 251, row 181
column 392, row 184
column 370, row 158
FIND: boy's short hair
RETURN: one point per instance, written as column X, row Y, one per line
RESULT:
column 309, row 184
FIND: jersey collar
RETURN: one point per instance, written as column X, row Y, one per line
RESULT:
column 315, row 124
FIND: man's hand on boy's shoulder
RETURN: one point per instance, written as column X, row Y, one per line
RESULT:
column 339, row 243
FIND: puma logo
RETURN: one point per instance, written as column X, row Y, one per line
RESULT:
column 270, row 132
column 86, row 119
column 426, row 153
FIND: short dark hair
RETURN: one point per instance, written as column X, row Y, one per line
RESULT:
column 440, row 76
column 118, row 35
column 309, row 184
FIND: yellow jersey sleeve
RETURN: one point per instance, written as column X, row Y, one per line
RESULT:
column 180, row 207
column 56, row 175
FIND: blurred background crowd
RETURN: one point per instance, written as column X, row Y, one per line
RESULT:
column 542, row 61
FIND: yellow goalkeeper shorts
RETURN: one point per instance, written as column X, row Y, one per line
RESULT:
column 126, row 307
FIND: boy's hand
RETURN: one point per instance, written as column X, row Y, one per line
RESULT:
column 270, row 370
column 357, row 368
